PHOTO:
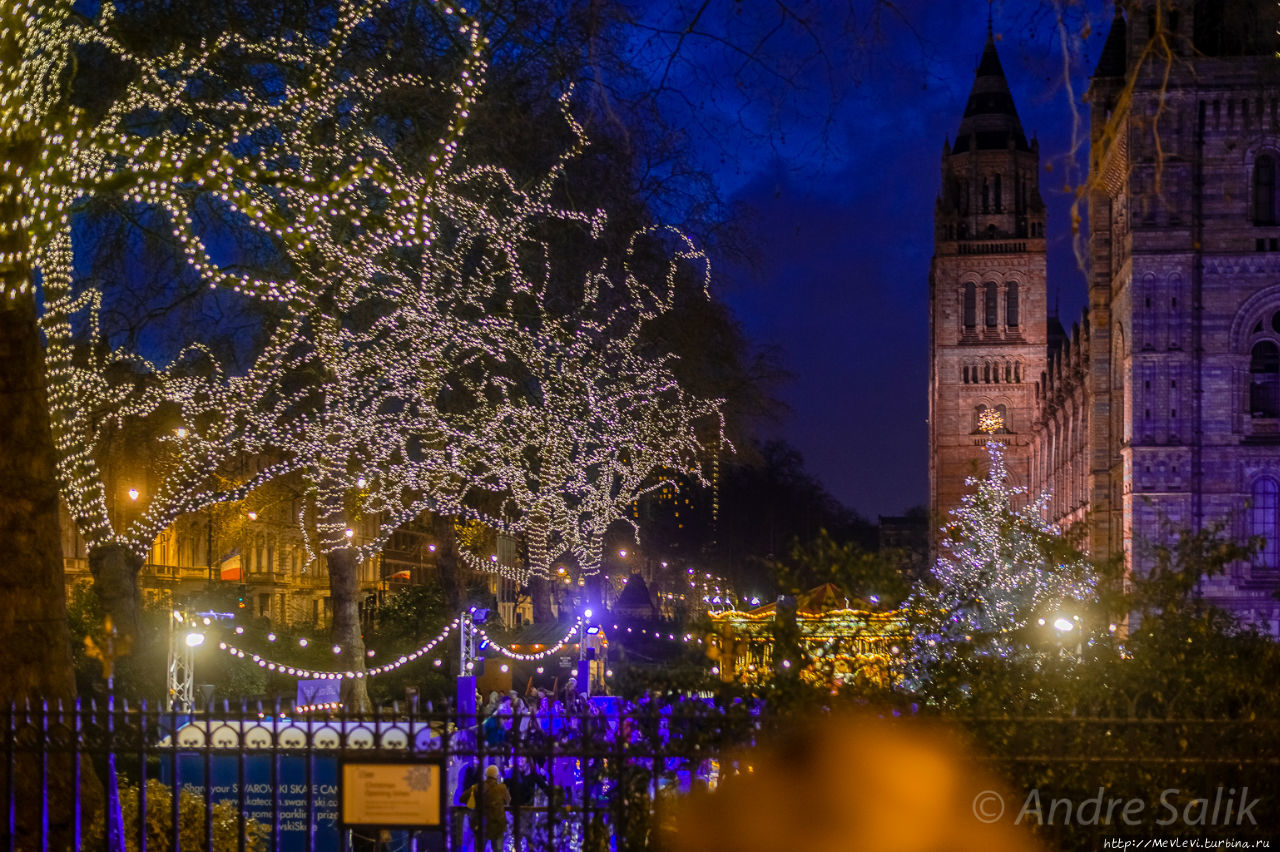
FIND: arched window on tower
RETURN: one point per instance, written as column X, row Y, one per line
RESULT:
column 1264, row 190
column 986, row 197
column 991, row 303
column 998, row 193
column 998, row 409
column 1011, row 304
column 970, row 305
column 1263, row 510
column 1264, row 380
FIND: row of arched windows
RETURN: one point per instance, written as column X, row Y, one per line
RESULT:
column 990, row 305
column 992, row 372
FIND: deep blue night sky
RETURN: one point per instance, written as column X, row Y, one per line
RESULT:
column 840, row 185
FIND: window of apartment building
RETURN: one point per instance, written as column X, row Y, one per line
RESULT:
column 970, row 305
column 1263, row 511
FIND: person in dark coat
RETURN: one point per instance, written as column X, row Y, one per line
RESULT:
column 524, row 782
column 489, row 816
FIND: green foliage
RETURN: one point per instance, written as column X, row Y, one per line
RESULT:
column 140, row 670
column 846, row 565
column 403, row 622
column 228, row 824
column 1179, row 696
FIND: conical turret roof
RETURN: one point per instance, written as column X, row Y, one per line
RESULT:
column 990, row 119
column 1113, row 59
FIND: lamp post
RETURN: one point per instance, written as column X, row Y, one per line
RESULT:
column 1064, row 626
column 184, row 638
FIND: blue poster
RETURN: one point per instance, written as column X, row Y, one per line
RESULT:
column 304, row 824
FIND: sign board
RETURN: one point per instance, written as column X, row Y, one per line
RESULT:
column 319, row 691
column 402, row 794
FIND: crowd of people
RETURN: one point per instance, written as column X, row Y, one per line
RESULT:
column 556, row 769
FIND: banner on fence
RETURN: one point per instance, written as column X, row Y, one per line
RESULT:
column 304, row 801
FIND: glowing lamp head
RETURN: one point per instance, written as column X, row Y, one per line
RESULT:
column 622, row 554
column 194, row 640
column 349, row 533
column 253, row 516
column 180, row 432
column 431, row 548
column 133, row 494
column 587, row 613
column 1063, row 624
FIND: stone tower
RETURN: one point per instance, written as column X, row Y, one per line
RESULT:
column 987, row 299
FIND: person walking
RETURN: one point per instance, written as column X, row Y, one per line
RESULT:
column 488, row 802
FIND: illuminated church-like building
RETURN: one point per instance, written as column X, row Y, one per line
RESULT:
column 1160, row 411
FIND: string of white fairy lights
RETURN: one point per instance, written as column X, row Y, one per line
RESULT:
column 540, row 655
column 322, row 674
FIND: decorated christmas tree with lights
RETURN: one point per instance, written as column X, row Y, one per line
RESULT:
column 1001, row 570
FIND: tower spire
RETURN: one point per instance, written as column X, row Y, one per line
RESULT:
column 989, row 2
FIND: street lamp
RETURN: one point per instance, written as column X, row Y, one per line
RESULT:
column 133, row 494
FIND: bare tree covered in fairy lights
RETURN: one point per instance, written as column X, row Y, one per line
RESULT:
column 255, row 129
column 596, row 415
column 409, row 279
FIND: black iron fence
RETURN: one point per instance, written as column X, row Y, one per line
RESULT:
column 257, row 778
column 270, row 778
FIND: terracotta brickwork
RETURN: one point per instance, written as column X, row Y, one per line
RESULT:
column 1161, row 411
